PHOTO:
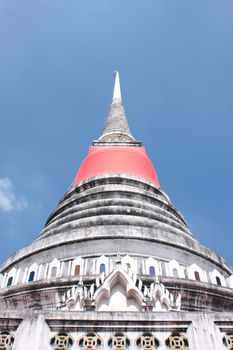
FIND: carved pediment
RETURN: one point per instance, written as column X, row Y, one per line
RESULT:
column 119, row 291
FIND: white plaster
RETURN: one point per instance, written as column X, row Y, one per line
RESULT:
column 215, row 273
column 4, row 280
column 78, row 261
column 173, row 264
column 111, row 265
column 1, row 279
column 152, row 262
column 102, row 260
column 46, row 270
column 41, row 272
column 11, row 273
column 34, row 334
column 117, row 88
column 205, row 276
column 230, row 281
column 54, row 264
column 191, row 273
column 128, row 260
column 118, row 301
column 144, row 267
column 118, row 293
column 25, row 275
column 69, row 267
column 167, row 269
column 19, row 276
column 85, row 266
column 34, row 267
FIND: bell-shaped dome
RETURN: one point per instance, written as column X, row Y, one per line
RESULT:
column 117, row 160
column 117, row 151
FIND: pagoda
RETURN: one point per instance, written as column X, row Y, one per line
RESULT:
column 116, row 265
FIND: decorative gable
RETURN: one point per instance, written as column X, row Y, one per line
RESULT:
column 119, row 291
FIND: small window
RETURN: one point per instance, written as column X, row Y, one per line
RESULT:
column 102, row 268
column 152, row 271
column 218, row 281
column 197, row 276
column 53, row 272
column 128, row 266
column 31, row 276
column 10, row 281
column 175, row 273
column 77, row 270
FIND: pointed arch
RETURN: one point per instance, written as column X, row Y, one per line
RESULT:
column 118, row 293
column 161, row 298
column 32, row 273
column 196, row 273
column 217, row 278
column 151, row 262
column 102, row 265
column 11, row 277
column 175, row 270
column 54, row 269
column 129, row 264
column 77, row 267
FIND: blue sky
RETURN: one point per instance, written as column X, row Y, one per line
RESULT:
column 57, row 63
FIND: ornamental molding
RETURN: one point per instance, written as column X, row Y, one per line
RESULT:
column 119, row 291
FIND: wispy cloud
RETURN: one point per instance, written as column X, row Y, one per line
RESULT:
column 8, row 199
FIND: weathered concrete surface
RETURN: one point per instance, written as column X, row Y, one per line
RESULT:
column 32, row 333
column 195, row 295
column 204, row 331
column 107, row 215
column 115, row 207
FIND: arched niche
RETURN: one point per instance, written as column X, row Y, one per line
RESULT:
column 175, row 270
column 129, row 265
column 118, row 293
column 11, row 277
column 196, row 273
column 54, row 269
column 77, row 267
column 217, row 278
column 32, row 273
column 152, row 267
column 102, row 265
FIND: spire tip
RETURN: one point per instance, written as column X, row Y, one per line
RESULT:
column 117, row 88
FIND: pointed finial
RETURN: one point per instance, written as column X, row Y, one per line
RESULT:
column 117, row 88
column 116, row 130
